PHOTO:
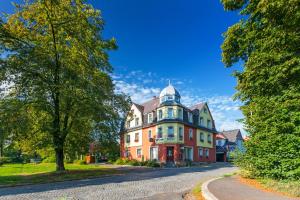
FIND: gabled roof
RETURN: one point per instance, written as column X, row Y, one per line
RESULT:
column 139, row 107
column 198, row 106
column 220, row 136
column 233, row 135
column 151, row 105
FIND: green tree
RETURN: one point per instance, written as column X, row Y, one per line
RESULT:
column 267, row 42
column 55, row 57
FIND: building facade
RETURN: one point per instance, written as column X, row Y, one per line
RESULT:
column 164, row 130
column 227, row 142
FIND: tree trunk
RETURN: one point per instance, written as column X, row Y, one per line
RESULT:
column 59, row 152
column 1, row 149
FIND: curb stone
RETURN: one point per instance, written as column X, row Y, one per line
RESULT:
column 205, row 192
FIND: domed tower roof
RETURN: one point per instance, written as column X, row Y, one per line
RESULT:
column 170, row 90
column 169, row 94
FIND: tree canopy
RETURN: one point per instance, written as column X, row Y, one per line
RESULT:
column 267, row 41
column 55, row 59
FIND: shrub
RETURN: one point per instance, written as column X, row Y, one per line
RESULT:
column 5, row 160
column 50, row 159
column 79, row 162
column 151, row 163
column 134, row 163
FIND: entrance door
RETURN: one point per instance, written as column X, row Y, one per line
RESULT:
column 189, row 153
column 170, row 154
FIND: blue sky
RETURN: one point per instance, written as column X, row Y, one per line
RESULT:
column 171, row 39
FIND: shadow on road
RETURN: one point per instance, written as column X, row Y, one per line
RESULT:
column 134, row 174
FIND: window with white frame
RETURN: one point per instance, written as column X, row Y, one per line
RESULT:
column 149, row 134
column 208, row 123
column 139, row 152
column 180, row 113
column 207, row 153
column 160, row 114
column 170, row 113
column 190, row 116
column 150, row 117
column 190, row 134
column 180, row 133
column 136, row 121
column 209, row 138
column 201, row 137
column 159, row 132
column 200, row 152
column 128, row 124
column 201, row 121
column 170, row 131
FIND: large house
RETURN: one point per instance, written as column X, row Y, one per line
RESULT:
column 228, row 141
column 164, row 130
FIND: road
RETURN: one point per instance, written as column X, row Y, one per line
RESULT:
column 137, row 184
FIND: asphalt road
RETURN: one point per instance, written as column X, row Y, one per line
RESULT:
column 138, row 184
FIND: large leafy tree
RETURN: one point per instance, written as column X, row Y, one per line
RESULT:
column 56, row 59
column 267, row 42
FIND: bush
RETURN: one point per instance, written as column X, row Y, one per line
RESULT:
column 79, row 162
column 134, row 162
column 151, row 163
column 50, row 159
column 5, row 160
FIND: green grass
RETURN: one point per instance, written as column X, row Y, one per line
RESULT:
column 21, row 174
column 291, row 188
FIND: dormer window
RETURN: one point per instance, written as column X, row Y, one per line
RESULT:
column 190, row 116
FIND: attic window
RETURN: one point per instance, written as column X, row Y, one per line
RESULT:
column 205, row 110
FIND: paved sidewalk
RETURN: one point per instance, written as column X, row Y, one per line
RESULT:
column 230, row 188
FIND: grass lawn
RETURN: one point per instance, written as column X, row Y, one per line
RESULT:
column 21, row 174
column 285, row 187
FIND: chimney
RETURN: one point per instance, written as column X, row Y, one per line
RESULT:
column 154, row 97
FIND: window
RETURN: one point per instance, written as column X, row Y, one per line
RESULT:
column 159, row 132
column 127, row 138
column 201, row 137
column 200, row 152
column 201, row 121
column 139, row 152
column 150, row 117
column 136, row 121
column 170, row 98
column 190, row 115
column 207, row 153
column 180, row 133
column 128, row 124
column 205, row 110
column 153, row 153
column 160, row 114
column 190, row 134
column 136, row 138
column 170, row 131
column 219, row 143
column 127, row 153
column 170, row 112
column 208, row 123
column 209, row 138
column 149, row 134
column 179, row 112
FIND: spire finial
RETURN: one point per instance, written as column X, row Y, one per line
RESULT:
column 169, row 82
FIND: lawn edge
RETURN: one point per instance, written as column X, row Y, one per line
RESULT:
column 205, row 191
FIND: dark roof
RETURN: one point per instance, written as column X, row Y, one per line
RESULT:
column 198, row 106
column 151, row 105
column 233, row 135
column 140, row 107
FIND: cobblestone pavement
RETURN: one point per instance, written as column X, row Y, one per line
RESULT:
column 138, row 184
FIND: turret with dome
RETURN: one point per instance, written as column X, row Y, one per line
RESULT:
column 169, row 94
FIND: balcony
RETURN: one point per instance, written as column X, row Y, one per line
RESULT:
column 168, row 140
